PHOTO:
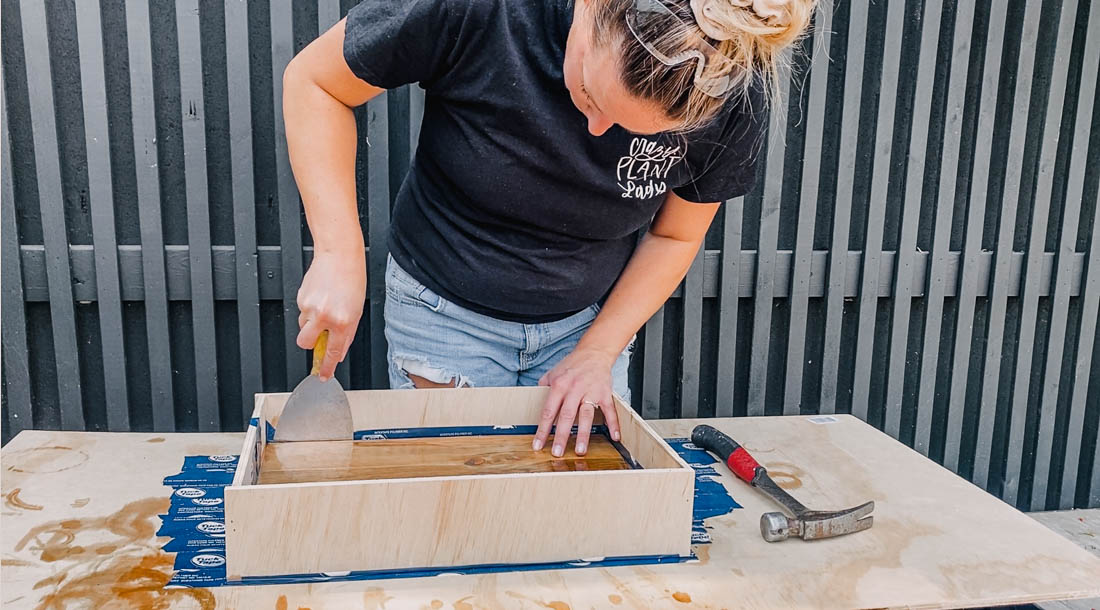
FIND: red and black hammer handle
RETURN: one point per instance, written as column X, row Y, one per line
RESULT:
column 743, row 465
column 734, row 455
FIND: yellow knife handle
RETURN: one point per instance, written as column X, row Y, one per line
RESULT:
column 319, row 352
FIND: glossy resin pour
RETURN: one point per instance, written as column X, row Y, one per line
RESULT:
column 324, row 461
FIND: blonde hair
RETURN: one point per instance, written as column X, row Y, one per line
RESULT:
column 755, row 43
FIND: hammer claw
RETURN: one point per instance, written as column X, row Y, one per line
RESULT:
column 863, row 510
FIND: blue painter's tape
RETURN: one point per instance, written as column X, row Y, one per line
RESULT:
column 213, row 528
column 176, row 545
column 711, row 497
column 187, row 513
column 205, row 567
column 478, row 569
column 192, row 506
column 198, row 478
column 189, row 577
column 207, row 563
column 443, row 431
column 177, row 518
column 199, row 543
column 450, row 431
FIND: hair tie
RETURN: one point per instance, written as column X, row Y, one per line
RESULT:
column 708, row 14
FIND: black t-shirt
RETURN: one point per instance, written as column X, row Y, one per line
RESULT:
column 511, row 208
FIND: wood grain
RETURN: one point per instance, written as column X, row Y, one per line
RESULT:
column 942, row 542
column 412, row 503
column 305, row 462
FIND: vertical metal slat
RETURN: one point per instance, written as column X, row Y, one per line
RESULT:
column 239, row 96
column 290, row 217
column 1048, row 404
column 728, row 297
column 842, row 211
column 101, row 201
column 692, row 337
column 876, row 211
column 1090, row 284
column 154, row 280
column 972, row 249
column 765, row 261
column 13, row 324
column 998, row 300
column 51, row 201
column 935, row 286
column 651, row 365
column 328, row 13
column 199, row 254
column 914, row 190
column 378, row 221
column 807, row 213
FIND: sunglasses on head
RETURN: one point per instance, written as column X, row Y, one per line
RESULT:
column 655, row 25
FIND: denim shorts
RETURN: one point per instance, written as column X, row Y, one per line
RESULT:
column 438, row 340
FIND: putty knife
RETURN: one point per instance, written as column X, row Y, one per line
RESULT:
column 316, row 410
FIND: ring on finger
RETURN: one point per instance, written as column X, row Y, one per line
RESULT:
column 594, row 404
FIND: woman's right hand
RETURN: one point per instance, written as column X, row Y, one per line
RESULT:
column 331, row 298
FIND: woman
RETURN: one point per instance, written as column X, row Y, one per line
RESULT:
column 554, row 132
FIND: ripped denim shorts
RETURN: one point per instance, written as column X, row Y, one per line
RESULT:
column 438, row 340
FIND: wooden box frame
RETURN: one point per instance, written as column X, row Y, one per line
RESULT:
column 456, row 520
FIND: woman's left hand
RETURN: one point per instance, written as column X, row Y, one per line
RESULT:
column 578, row 383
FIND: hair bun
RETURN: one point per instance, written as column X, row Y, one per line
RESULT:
column 714, row 19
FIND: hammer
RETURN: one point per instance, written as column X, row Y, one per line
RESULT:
column 775, row 526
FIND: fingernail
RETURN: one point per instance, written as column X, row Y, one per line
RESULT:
column 537, row 445
column 558, row 451
column 580, row 448
column 615, row 435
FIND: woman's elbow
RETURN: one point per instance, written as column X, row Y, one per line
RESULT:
column 295, row 74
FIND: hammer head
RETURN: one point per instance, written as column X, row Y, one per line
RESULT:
column 811, row 525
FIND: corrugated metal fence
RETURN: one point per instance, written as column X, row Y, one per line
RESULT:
column 921, row 248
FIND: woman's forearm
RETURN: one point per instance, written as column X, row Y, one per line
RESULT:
column 654, row 271
column 319, row 91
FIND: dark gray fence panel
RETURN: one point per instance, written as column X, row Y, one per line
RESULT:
column 810, row 192
column 692, row 337
column 1006, row 235
column 937, row 283
column 844, row 181
column 968, row 282
column 70, row 400
column 289, row 205
column 101, row 201
column 13, row 329
column 920, row 126
column 1090, row 300
column 921, row 248
column 147, row 174
column 193, row 125
column 728, row 303
column 1040, row 215
column 239, row 99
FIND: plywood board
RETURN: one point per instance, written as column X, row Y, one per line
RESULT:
column 937, row 541
column 455, row 521
column 250, row 454
column 315, row 462
column 427, row 408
